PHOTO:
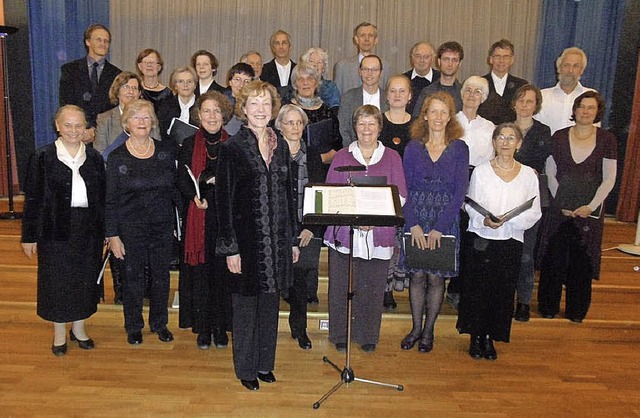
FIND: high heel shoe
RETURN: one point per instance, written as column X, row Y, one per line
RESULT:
column 409, row 341
column 426, row 344
column 84, row 344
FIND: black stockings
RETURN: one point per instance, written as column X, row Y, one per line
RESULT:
column 425, row 289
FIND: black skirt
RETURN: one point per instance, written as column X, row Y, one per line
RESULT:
column 68, row 271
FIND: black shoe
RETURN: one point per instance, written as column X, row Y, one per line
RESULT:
column 575, row 320
column 426, row 344
column 117, row 298
column 368, row 348
column 409, row 341
column 548, row 315
column 84, row 344
column 475, row 347
column 488, row 351
column 341, row 347
column 250, row 384
column 522, row 313
column 313, row 300
column 267, row 377
column 220, row 339
column 59, row 350
column 164, row 335
column 134, row 338
column 453, row 299
column 204, row 341
column 389, row 302
column 304, row 342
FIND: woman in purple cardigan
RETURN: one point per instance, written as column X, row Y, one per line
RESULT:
column 373, row 246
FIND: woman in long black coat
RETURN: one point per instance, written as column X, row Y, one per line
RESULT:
column 205, row 303
column 64, row 224
column 257, row 224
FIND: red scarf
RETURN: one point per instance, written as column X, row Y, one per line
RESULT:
column 194, row 248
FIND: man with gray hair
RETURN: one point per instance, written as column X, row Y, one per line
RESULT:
column 277, row 72
column 421, row 74
column 254, row 59
column 557, row 101
column 346, row 71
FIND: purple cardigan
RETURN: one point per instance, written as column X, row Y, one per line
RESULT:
column 390, row 165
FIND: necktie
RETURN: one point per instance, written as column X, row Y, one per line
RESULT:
column 94, row 77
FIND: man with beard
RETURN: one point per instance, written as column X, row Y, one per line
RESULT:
column 450, row 55
column 557, row 101
column 421, row 74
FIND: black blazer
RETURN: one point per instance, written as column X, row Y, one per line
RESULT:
column 167, row 110
column 47, row 204
column 417, row 84
column 270, row 74
column 213, row 87
column 75, row 88
column 498, row 109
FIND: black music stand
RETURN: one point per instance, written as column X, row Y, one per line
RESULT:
column 374, row 216
column 4, row 32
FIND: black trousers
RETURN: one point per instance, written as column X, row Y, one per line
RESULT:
column 147, row 245
column 255, row 333
column 565, row 261
column 298, row 300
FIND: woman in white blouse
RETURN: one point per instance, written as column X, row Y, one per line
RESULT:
column 488, row 288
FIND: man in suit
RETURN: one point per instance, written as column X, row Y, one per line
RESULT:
column 278, row 71
column 346, row 71
column 86, row 82
column 371, row 71
column 421, row 75
column 502, row 85
column 254, row 59
column 450, row 55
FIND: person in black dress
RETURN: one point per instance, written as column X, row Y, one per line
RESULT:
column 149, row 66
column 205, row 303
column 183, row 83
column 140, row 216
column 63, row 224
column 257, row 225
column 206, row 65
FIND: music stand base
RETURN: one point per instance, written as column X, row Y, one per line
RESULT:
column 348, row 376
column 11, row 215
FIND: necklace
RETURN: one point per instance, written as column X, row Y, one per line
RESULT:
column 150, row 87
column 404, row 118
column 136, row 152
column 505, row 169
column 582, row 138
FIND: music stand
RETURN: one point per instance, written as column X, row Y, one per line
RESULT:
column 316, row 212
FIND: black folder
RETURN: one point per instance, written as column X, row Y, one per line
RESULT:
column 179, row 131
column 443, row 258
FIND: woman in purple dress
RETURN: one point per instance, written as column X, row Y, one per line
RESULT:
column 436, row 169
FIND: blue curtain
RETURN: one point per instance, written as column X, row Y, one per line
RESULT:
column 56, row 36
column 592, row 25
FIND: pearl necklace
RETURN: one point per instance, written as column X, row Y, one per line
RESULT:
column 505, row 169
column 150, row 87
column 137, row 153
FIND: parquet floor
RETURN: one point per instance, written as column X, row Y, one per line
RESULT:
column 552, row 368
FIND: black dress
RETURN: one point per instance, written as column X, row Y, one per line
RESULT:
column 69, row 239
column 156, row 97
column 395, row 136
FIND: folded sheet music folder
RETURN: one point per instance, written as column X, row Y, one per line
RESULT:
column 443, row 258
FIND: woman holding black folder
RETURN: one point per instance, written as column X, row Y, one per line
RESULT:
column 183, row 84
column 498, row 186
column 436, row 170
column 205, row 302
column 582, row 172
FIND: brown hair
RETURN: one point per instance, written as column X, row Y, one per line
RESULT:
column 522, row 91
column 122, row 79
column 144, row 54
column 216, row 96
column 254, row 89
column 420, row 127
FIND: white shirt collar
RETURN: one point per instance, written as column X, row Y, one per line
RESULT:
column 357, row 154
column 429, row 75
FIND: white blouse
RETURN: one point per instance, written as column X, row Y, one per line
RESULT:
column 78, row 187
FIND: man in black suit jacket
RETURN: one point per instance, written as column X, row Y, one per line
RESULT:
column 76, row 78
column 280, row 43
column 421, row 75
column 502, row 85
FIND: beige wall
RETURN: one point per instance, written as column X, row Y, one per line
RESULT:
column 230, row 27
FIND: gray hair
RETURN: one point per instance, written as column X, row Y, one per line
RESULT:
column 477, row 81
column 290, row 108
column 324, row 55
column 304, row 69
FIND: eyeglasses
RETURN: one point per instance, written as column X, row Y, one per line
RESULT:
column 149, row 62
column 241, row 80
column 501, row 57
column 145, row 119
column 131, row 88
column 185, row 82
column 505, row 138
column 421, row 57
column 292, row 123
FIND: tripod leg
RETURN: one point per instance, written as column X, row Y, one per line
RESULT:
column 326, row 360
column 374, row 382
column 316, row 405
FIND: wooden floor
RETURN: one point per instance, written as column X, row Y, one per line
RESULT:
column 552, row 368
